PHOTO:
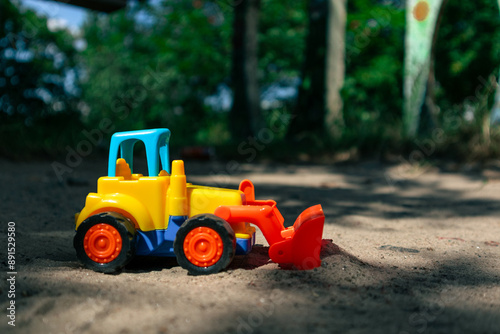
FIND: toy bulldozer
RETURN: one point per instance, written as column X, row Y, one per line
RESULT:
column 162, row 215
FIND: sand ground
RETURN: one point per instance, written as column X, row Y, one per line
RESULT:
column 406, row 250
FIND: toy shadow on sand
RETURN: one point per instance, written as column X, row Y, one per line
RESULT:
column 258, row 257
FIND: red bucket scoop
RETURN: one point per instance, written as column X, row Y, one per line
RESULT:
column 302, row 243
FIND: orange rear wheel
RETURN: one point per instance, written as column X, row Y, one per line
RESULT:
column 203, row 247
column 205, row 244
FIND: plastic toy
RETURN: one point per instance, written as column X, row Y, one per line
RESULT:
column 162, row 215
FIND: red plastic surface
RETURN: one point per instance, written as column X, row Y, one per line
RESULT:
column 303, row 248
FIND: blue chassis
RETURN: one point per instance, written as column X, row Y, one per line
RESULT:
column 161, row 242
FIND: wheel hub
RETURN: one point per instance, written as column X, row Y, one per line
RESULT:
column 203, row 247
column 102, row 243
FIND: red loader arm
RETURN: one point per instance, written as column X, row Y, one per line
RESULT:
column 299, row 244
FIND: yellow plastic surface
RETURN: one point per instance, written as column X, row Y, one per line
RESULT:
column 206, row 199
column 142, row 200
column 149, row 201
column 177, row 198
column 245, row 231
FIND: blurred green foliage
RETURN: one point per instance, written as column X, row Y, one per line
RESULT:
column 37, row 106
column 373, row 89
column 468, row 48
column 282, row 33
column 467, row 64
column 154, row 66
column 467, row 68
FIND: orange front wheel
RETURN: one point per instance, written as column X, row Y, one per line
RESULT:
column 105, row 242
column 205, row 244
column 102, row 243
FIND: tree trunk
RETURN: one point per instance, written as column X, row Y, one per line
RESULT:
column 335, row 66
column 420, row 24
column 308, row 116
column 495, row 110
column 245, row 116
column 430, row 106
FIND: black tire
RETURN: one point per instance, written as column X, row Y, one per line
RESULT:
column 126, row 231
column 224, row 231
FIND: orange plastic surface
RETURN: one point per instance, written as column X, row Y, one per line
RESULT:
column 203, row 247
column 102, row 243
column 299, row 244
column 263, row 214
column 123, row 169
column 246, row 186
